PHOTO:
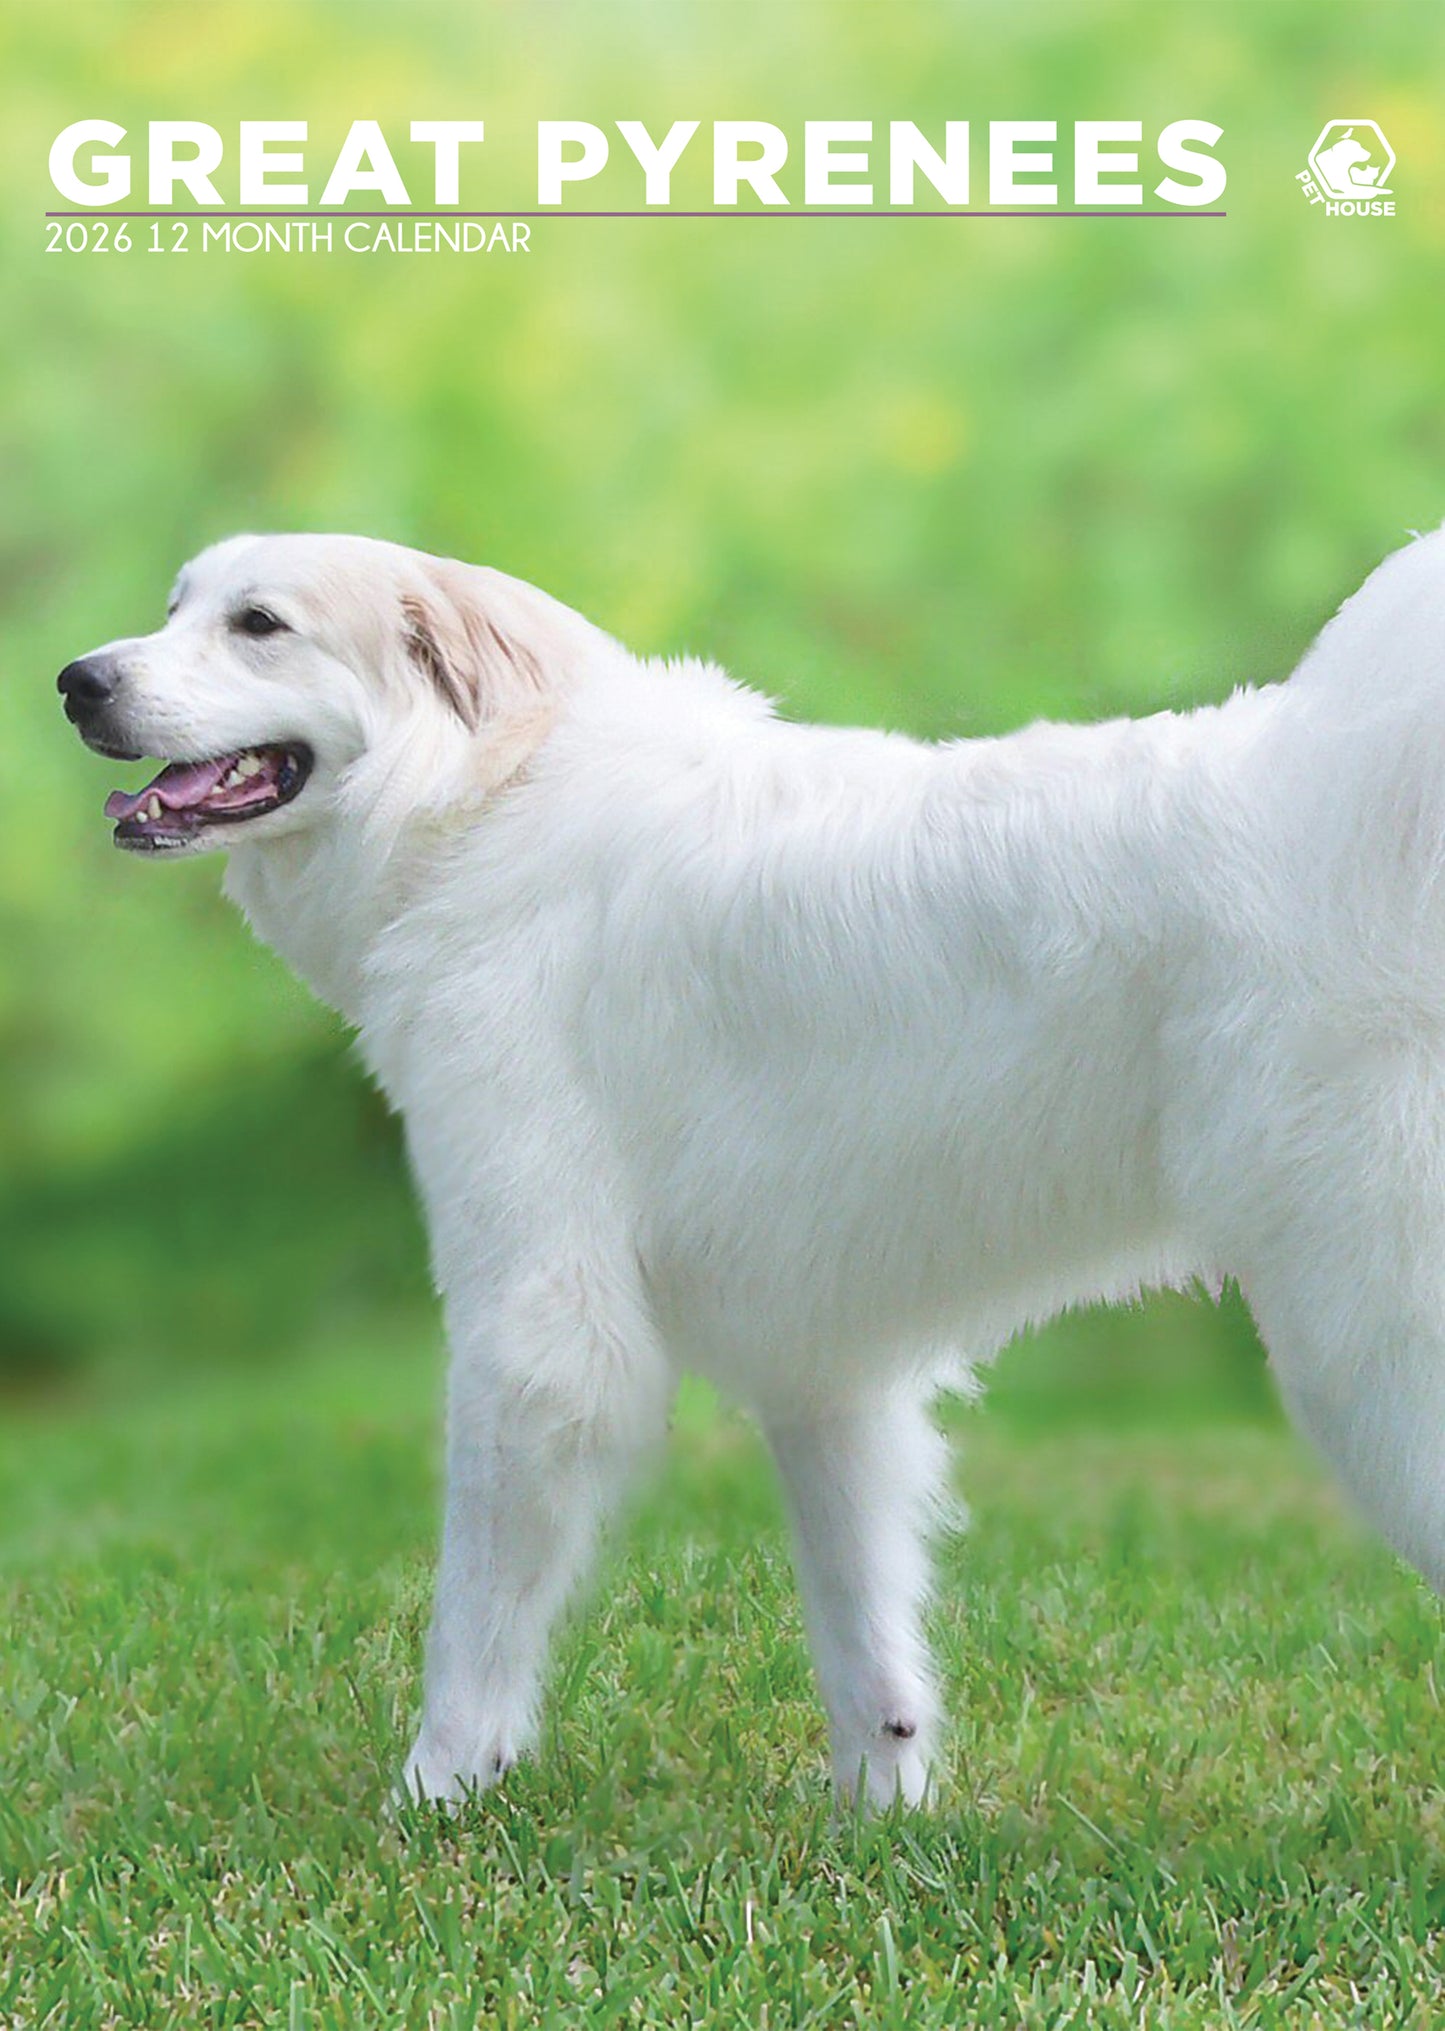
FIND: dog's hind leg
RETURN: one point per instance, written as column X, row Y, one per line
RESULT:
column 1350, row 1303
column 864, row 1482
column 554, row 1393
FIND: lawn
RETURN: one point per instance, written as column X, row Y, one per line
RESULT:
column 1192, row 1781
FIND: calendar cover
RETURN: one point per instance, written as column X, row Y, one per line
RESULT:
column 932, row 370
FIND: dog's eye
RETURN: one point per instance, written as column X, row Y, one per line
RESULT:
column 255, row 620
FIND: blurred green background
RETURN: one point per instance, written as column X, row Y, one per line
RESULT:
column 943, row 476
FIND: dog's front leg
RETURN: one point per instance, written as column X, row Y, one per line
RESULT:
column 549, row 1405
column 864, row 1483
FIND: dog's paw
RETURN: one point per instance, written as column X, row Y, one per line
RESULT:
column 436, row 1774
column 894, row 1766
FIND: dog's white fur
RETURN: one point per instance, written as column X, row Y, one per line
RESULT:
column 821, row 1062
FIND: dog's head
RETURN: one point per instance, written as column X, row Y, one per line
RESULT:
column 294, row 673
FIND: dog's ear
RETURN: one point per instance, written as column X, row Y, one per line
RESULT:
column 459, row 635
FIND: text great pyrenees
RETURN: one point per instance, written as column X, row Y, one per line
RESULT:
column 821, row 1062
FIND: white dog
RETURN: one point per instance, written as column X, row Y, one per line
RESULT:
column 821, row 1062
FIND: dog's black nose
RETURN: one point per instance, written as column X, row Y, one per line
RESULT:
column 86, row 685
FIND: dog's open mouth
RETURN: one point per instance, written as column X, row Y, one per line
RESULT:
column 227, row 789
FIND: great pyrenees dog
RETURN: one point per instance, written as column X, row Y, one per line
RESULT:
column 821, row 1062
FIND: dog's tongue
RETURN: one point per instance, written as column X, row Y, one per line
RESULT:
column 179, row 787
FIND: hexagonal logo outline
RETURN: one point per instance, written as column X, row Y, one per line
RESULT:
column 1333, row 181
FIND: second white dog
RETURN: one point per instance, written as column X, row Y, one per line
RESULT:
column 821, row 1062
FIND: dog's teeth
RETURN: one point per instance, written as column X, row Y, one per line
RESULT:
column 230, row 780
column 249, row 765
column 153, row 808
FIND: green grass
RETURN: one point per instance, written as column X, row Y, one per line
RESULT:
column 1192, row 1781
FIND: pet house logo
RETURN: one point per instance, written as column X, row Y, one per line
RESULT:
column 1349, row 170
